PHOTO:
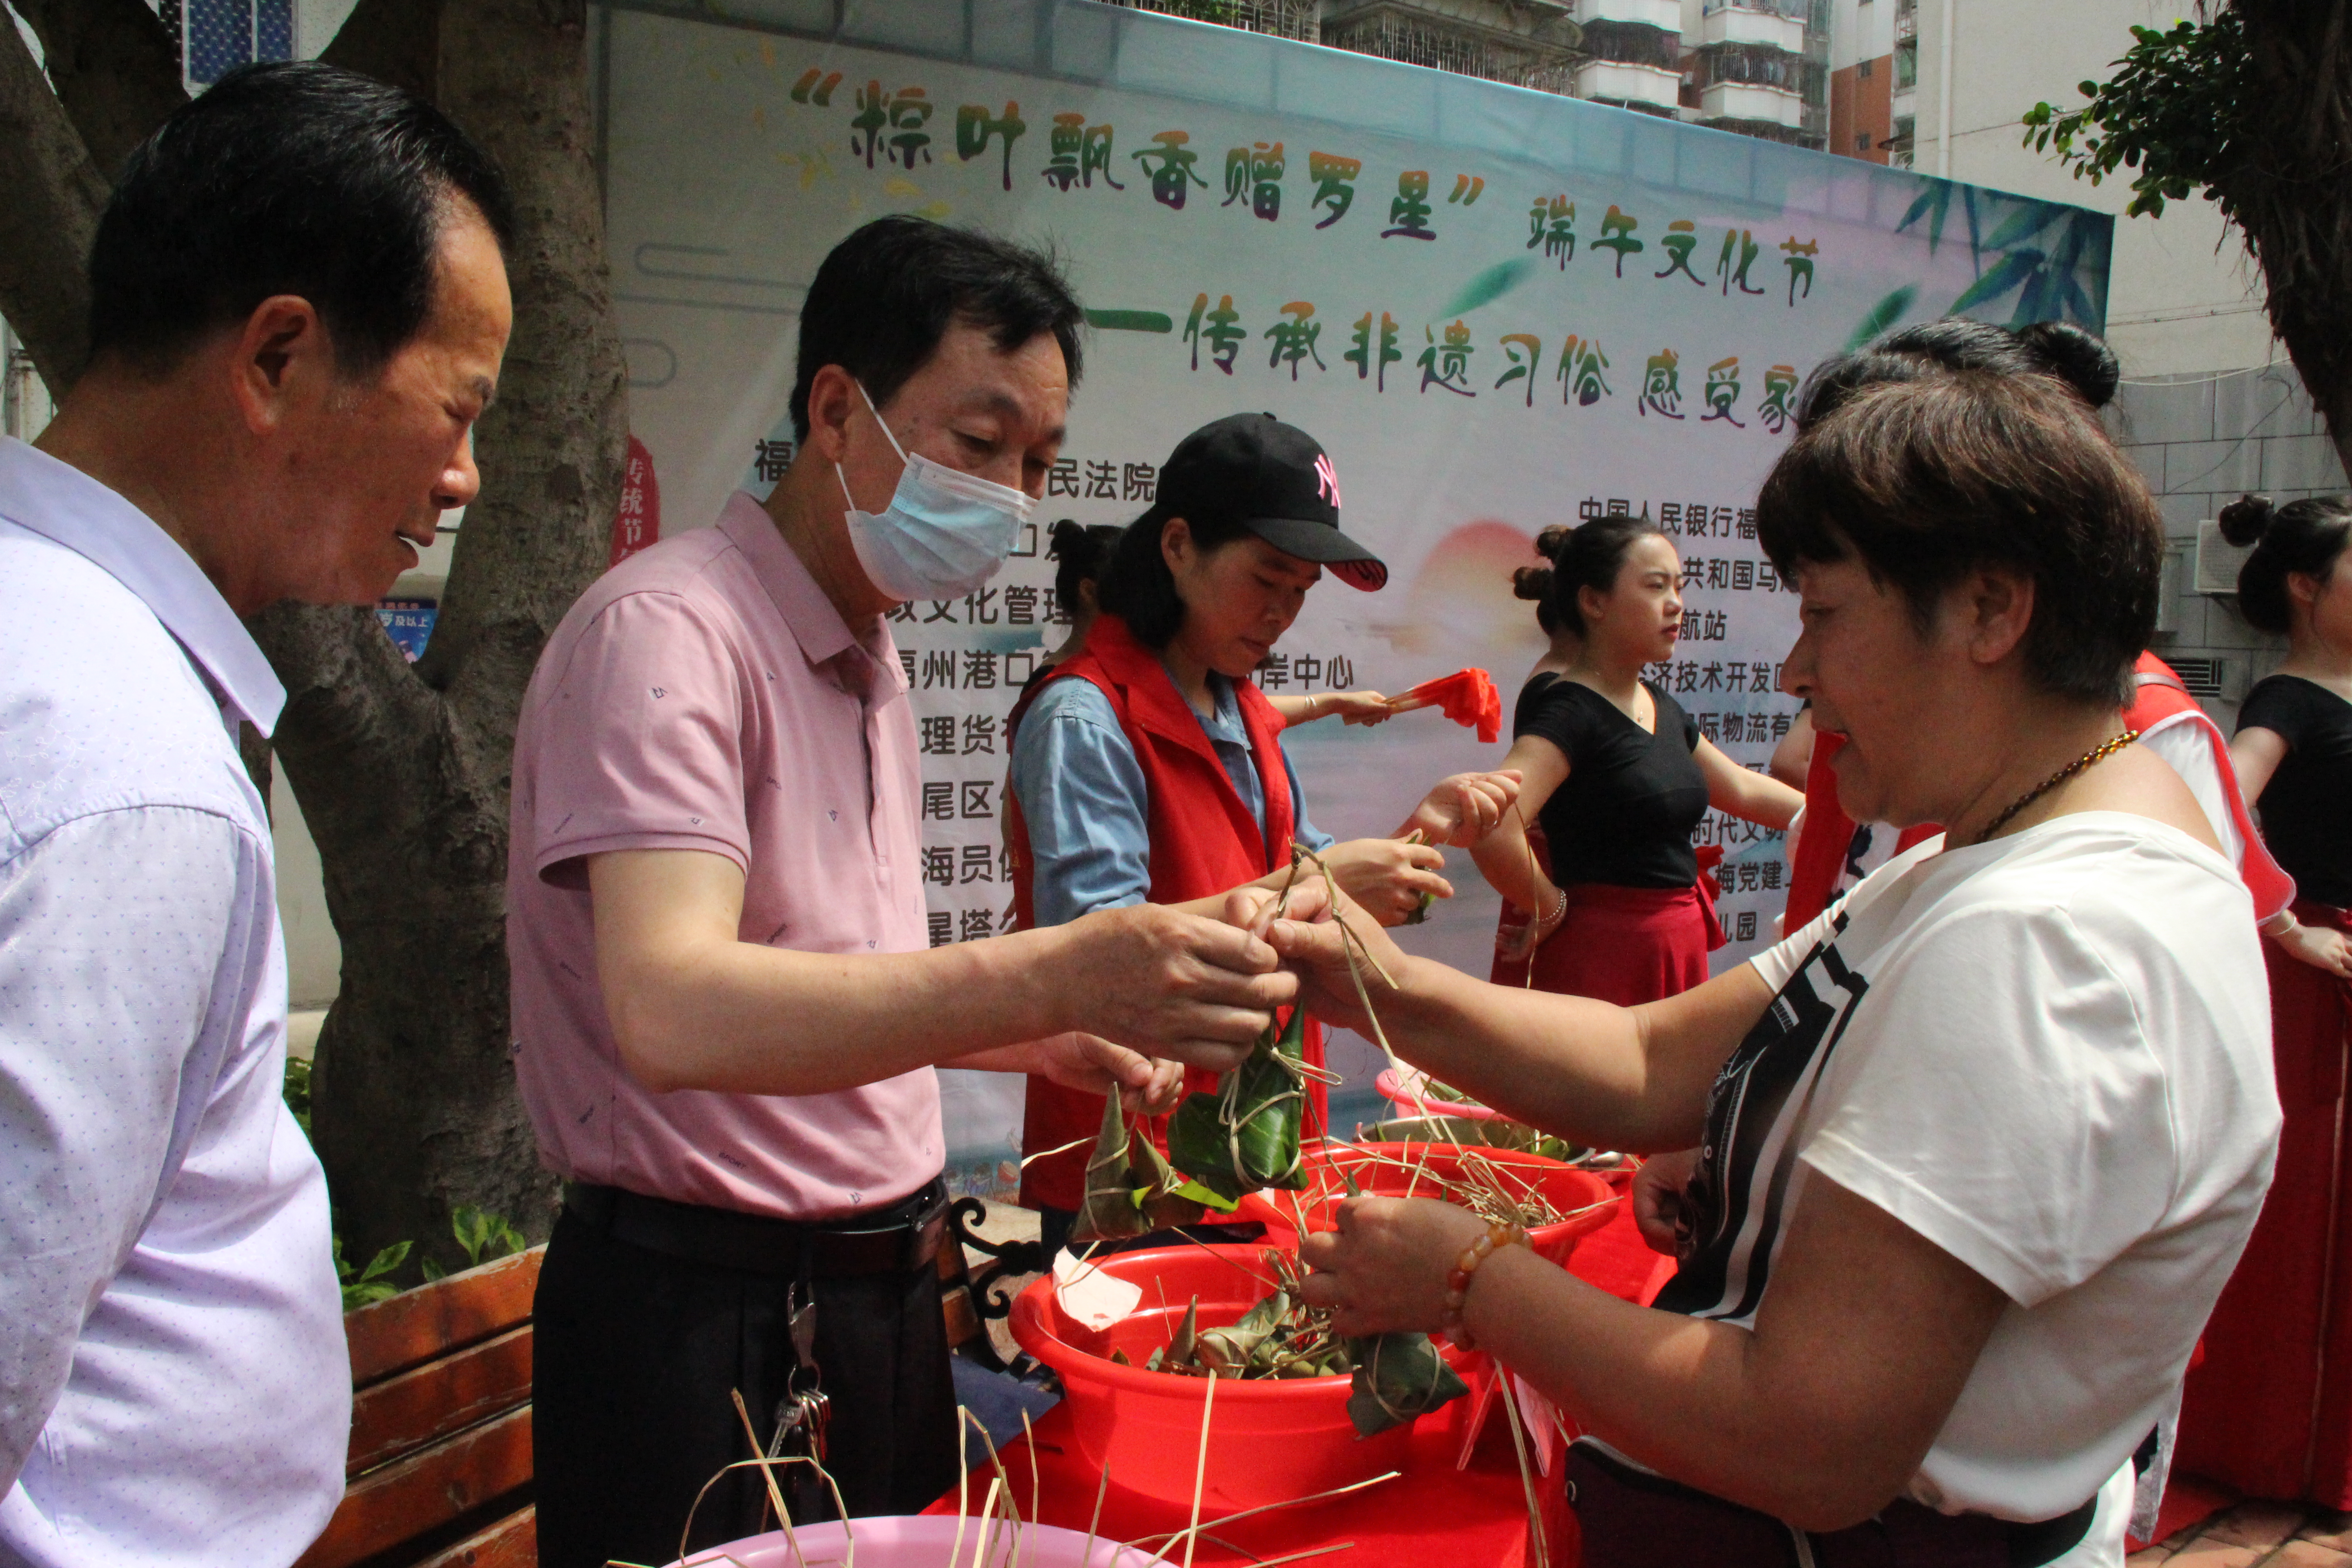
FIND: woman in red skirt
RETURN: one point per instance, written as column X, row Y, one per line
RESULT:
column 2270, row 1410
column 1618, row 775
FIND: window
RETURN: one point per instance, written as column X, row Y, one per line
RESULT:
column 224, row 33
column 1864, row 71
column 1862, row 141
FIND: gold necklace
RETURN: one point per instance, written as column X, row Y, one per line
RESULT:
column 2095, row 755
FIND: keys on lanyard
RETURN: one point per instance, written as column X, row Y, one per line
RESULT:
column 802, row 1416
column 804, row 1412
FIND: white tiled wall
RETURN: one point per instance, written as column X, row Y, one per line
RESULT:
column 2202, row 441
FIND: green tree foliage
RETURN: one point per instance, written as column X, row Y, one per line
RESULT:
column 2250, row 105
column 2175, row 114
column 365, row 1287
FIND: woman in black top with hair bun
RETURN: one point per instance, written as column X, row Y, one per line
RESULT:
column 2270, row 1411
column 1618, row 775
column 2294, row 750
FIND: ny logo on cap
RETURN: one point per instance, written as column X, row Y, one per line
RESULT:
column 1326, row 479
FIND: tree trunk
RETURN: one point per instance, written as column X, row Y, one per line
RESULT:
column 115, row 67
column 51, row 196
column 396, row 41
column 2291, row 194
column 403, row 774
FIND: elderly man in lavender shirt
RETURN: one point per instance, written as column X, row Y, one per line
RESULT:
column 300, row 306
column 725, row 1011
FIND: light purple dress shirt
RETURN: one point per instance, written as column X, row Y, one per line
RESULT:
column 173, row 1384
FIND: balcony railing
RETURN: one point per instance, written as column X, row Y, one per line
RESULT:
column 1795, row 10
column 1633, row 44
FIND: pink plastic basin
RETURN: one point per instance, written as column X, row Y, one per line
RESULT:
column 922, row 1541
column 1269, row 1441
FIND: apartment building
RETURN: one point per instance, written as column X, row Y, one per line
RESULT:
column 1874, row 79
column 1757, row 67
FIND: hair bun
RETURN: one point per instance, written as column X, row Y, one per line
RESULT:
column 1067, row 535
column 1531, row 582
column 2076, row 357
column 1550, row 542
column 2243, row 520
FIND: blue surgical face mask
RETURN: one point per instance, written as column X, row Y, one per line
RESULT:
column 944, row 533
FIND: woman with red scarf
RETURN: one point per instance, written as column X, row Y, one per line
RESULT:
column 1618, row 775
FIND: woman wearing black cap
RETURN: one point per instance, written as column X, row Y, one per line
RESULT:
column 1149, row 768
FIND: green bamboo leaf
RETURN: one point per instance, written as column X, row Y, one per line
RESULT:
column 1932, row 202
column 1881, row 316
column 1194, row 1192
column 1398, row 1377
column 1244, row 1135
column 1108, row 1210
column 2029, row 219
column 1489, row 285
column 2014, row 268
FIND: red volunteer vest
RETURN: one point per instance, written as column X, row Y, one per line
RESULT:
column 2159, row 697
column 1204, row 841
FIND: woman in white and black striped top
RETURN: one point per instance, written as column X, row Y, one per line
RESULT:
column 1978, row 1147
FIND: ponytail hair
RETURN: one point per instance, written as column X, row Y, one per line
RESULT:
column 1586, row 557
column 1136, row 584
column 1082, row 554
column 2303, row 536
column 1534, row 582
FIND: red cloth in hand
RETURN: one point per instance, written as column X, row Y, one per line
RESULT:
column 1469, row 699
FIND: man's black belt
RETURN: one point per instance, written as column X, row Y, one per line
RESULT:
column 899, row 1238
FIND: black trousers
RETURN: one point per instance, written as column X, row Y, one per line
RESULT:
column 635, row 1357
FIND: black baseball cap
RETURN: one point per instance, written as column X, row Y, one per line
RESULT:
column 1274, row 479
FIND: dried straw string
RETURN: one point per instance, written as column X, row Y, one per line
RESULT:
column 775, row 1494
column 1094, row 1521
column 1528, row 981
column 1011, row 1506
column 1527, row 1476
column 1029, row 1437
column 1201, row 1467
column 1027, row 1159
column 764, row 1463
column 1158, row 1544
column 963, row 1485
column 985, row 1543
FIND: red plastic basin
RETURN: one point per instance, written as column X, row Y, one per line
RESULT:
column 1588, row 1199
column 1269, row 1441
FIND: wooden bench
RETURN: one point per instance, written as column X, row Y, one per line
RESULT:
column 439, row 1470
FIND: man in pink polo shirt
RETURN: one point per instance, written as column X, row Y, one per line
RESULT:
column 726, row 1015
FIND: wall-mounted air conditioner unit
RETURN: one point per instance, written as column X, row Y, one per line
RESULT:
column 2217, row 560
